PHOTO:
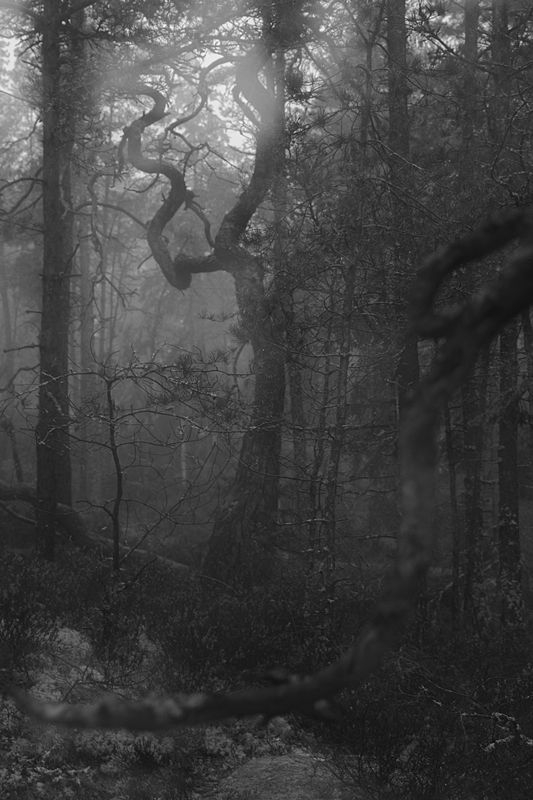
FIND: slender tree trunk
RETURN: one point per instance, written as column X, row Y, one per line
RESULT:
column 295, row 346
column 316, row 544
column 119, row 478
column 407, row 374
column 339, row 428
column 52, row 435
column 467, row 573
column 527, row 330
column 401, row 185
column 8, row 371
column 474, row 396
column 512, row 611
column 457, row 543
column 512, row 607
column 86, row 361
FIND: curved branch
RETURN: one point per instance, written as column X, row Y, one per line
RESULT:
column 269, row 140
column 196, row 209
column 228, row 255
column 490, row 237
column 113, row 207
column 202, row 91
column 178, row 191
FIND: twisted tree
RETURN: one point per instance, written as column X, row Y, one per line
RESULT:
column 240, row 543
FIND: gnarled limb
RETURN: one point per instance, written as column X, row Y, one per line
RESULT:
column 228, row 254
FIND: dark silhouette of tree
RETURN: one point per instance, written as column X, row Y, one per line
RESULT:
column 58, row 69
column 241, row 544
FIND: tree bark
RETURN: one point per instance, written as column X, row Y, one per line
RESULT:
column 52, row 431
column 512, row 608
column 241, row 546
column 246, row 526
column 512, row 605
column 339, row 427
column 407, row 371
column 467, row 567
column 474, row 395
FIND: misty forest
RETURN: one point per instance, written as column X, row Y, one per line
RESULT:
column 266, row 399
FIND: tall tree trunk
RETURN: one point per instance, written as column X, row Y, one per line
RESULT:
column 457, row 544
column 87, row 387
column 339, row 427
column 407, row 374
column 316, row 545
column 512, row 609
column 400, row 178
column 241, row 547
column 52, row 435
column 7, row 373
column 474, row 397
column 467, row 573
column 295, row 346
column 527, row 330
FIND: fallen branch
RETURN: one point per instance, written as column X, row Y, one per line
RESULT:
column 73, row 525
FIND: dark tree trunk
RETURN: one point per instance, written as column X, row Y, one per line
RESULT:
column 339, row 427
column 295, row 348
column 457, row 528
column 466, row 557
column 52, row 434
column 407, row 374
column 86, row 364
column 241, row 545
column 474, row 395
column 512, row 612
column 512, row 608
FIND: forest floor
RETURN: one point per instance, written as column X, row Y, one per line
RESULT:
column 235, row 761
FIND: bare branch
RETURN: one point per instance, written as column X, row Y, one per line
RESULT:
column 203, row 92
column 113, row 207
column 228, row 255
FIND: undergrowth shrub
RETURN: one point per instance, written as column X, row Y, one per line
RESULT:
column 114, row 626
column 207, row 636
column 28, row 622
column 440, row 723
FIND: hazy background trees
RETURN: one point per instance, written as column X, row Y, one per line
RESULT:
column 211, row 218
column 399, row 125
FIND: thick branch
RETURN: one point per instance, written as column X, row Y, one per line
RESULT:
column 268, row 141
column 488, row 238
column 227, row 253
column 177, row 196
